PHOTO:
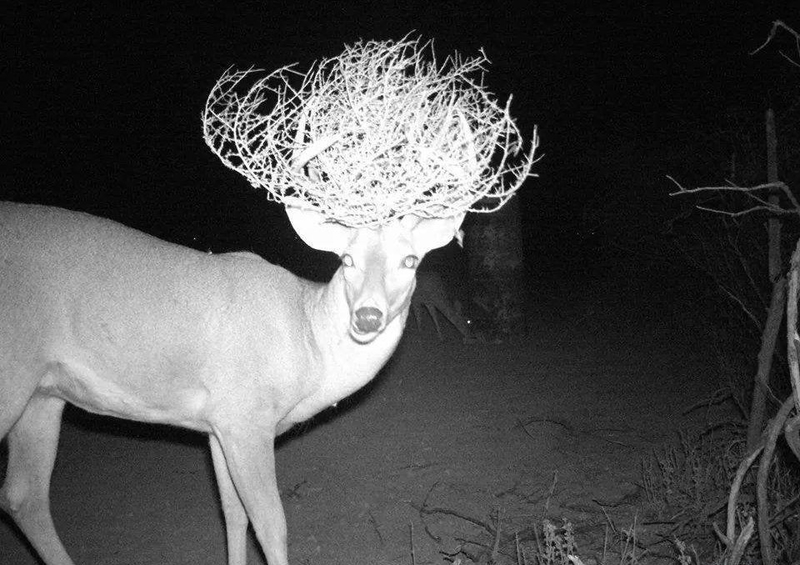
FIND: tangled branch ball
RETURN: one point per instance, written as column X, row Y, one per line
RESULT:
column 378, row 132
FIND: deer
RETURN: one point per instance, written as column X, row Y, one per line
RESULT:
column 431, row 296
column 123, row 324
column 376, row 156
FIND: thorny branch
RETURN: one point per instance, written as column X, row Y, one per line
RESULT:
column 381, row 131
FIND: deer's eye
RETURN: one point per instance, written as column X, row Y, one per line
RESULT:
column 411, row 261
column 347, row 260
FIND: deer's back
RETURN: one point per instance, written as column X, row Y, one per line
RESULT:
column 102, row 312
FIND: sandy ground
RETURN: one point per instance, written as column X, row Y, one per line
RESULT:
column 554, row 424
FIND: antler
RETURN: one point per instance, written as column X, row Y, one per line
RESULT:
column 378, row 132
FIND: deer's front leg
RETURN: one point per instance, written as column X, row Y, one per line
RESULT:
column 232, row 508
column 250, row 460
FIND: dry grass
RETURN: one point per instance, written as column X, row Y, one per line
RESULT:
column 685, row 488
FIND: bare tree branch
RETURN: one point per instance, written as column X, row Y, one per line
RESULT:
column 742, row 305
column 763, row 205
column 776, row 25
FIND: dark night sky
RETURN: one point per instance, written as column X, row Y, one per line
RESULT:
column 102, row 104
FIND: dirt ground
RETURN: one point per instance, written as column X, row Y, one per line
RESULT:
column 551, row 425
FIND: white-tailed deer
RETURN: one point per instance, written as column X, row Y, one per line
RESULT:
column 123, row 324
column 431, row 295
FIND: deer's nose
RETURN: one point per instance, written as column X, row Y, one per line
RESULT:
column 368, row 319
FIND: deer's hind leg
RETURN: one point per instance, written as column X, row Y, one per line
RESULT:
column 25, row 495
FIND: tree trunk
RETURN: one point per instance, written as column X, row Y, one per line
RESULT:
column 757, row 417
column 496, row 272
column 769, row 338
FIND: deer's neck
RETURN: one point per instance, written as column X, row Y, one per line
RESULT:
column 342, row 365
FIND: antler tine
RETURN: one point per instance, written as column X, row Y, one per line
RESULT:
column 302, row 159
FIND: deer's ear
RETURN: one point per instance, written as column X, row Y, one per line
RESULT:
column 316, row 231
column 431, row 233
